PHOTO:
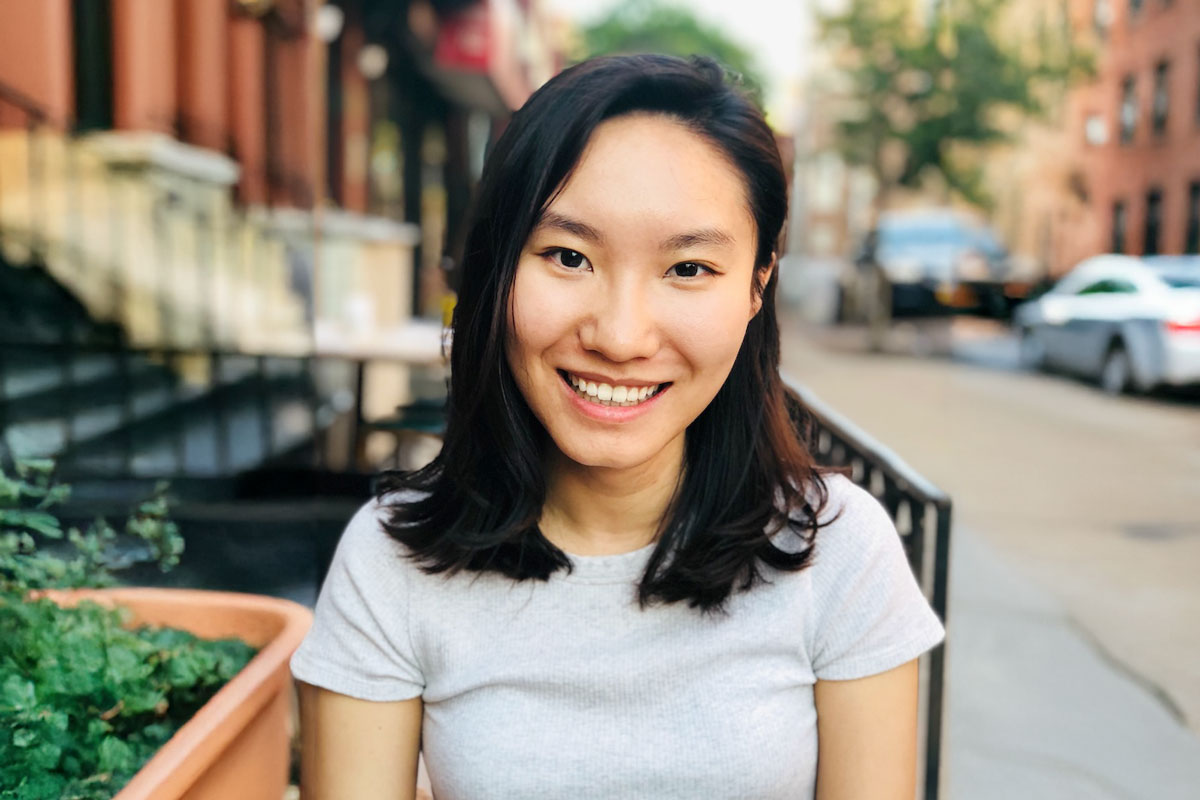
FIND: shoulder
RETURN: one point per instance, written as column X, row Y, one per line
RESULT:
column 360, row 643
column 860, row 569
column 365, row 545
column 846, row 498
column 850, row 519
column 365, row 529
column 853, row 523
column 869, row 613
column 855, row 540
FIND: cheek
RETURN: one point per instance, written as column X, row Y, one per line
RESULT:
column 538, row 319
column 710, row 331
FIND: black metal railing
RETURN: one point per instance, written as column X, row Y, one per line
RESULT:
column 110, row 406
column 921, row 512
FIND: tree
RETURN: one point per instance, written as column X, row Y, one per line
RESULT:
column 931, row 95
column 649, row 26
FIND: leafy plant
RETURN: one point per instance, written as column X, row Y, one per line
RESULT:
column 650, row 26
column 932, row 95
column 84, row 700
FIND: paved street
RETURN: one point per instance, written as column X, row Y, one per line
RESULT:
column 1075, row 654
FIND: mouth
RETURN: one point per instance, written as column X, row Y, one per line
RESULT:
column 613, row 395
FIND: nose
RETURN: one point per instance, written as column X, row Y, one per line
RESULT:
column 620, row 324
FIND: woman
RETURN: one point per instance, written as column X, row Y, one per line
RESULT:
column 623, row 576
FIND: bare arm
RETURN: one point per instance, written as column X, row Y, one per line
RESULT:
column 867, row 729
column 353, row 748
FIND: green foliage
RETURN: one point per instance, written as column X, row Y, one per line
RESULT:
column 649, row 26
column 85, row 701
column 931, row 90
column 25, row 501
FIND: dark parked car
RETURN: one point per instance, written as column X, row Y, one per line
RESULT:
column 936, row 261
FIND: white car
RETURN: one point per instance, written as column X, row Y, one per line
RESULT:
column 1131, row 323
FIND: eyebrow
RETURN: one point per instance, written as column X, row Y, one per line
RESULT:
column 696, row 238
column 680, row 241
column 552, row 219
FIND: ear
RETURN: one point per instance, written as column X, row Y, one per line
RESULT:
column 760, row 280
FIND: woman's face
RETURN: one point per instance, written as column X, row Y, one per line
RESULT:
column 632, row 295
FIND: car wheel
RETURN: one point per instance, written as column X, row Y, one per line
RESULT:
column 877, row 308
column 1032, row 351
column 1116, row 373
column 993, row 303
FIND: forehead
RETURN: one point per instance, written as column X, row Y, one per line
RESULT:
column 650, row 169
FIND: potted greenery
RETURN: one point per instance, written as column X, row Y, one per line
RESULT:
column 132, row 693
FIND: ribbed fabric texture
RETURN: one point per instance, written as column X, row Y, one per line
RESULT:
column 566, row 689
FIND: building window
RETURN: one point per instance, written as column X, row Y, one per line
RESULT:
column 1118, row 227
column 1191, row 242
column 1129, row 110
column 92, row 41
column 1153, row 222
column 1102, row 14
column 1162, row 98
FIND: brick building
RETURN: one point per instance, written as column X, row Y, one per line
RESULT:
column 256, row 177
column 1141, row 126
column 1114, row 166
column 374, row 110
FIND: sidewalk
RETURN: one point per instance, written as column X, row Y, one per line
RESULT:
column 1034, row 708
column 1040, row 595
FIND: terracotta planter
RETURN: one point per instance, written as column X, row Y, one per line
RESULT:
column 236, row 746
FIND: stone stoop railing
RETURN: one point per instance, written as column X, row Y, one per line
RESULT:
column 142, row 229
column 145, row 233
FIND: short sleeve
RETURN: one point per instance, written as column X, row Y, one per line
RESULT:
column 869, row 613
column 360, row 643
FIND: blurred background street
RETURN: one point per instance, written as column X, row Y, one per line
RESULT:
column 1073, row 572
column 229, row 232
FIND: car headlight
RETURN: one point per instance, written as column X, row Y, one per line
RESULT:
column 972, row 267
column 904, row 270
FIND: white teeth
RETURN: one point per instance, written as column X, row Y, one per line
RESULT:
column 608, row 395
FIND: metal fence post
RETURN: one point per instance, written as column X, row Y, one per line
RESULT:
column 836, row 441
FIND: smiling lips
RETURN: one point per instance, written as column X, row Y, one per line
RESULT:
column 606, row 394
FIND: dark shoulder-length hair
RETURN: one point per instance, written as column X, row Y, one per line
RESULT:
column 747, row 474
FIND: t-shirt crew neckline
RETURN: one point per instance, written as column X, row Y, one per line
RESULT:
column 617, row 568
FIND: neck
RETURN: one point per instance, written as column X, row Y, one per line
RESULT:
column 603, row 510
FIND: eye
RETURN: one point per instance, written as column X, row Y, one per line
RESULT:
column 689, row 269
column 570, row 259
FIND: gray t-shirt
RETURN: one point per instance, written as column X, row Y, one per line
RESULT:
column 566, row 689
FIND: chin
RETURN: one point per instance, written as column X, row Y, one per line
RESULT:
column 605, row 457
